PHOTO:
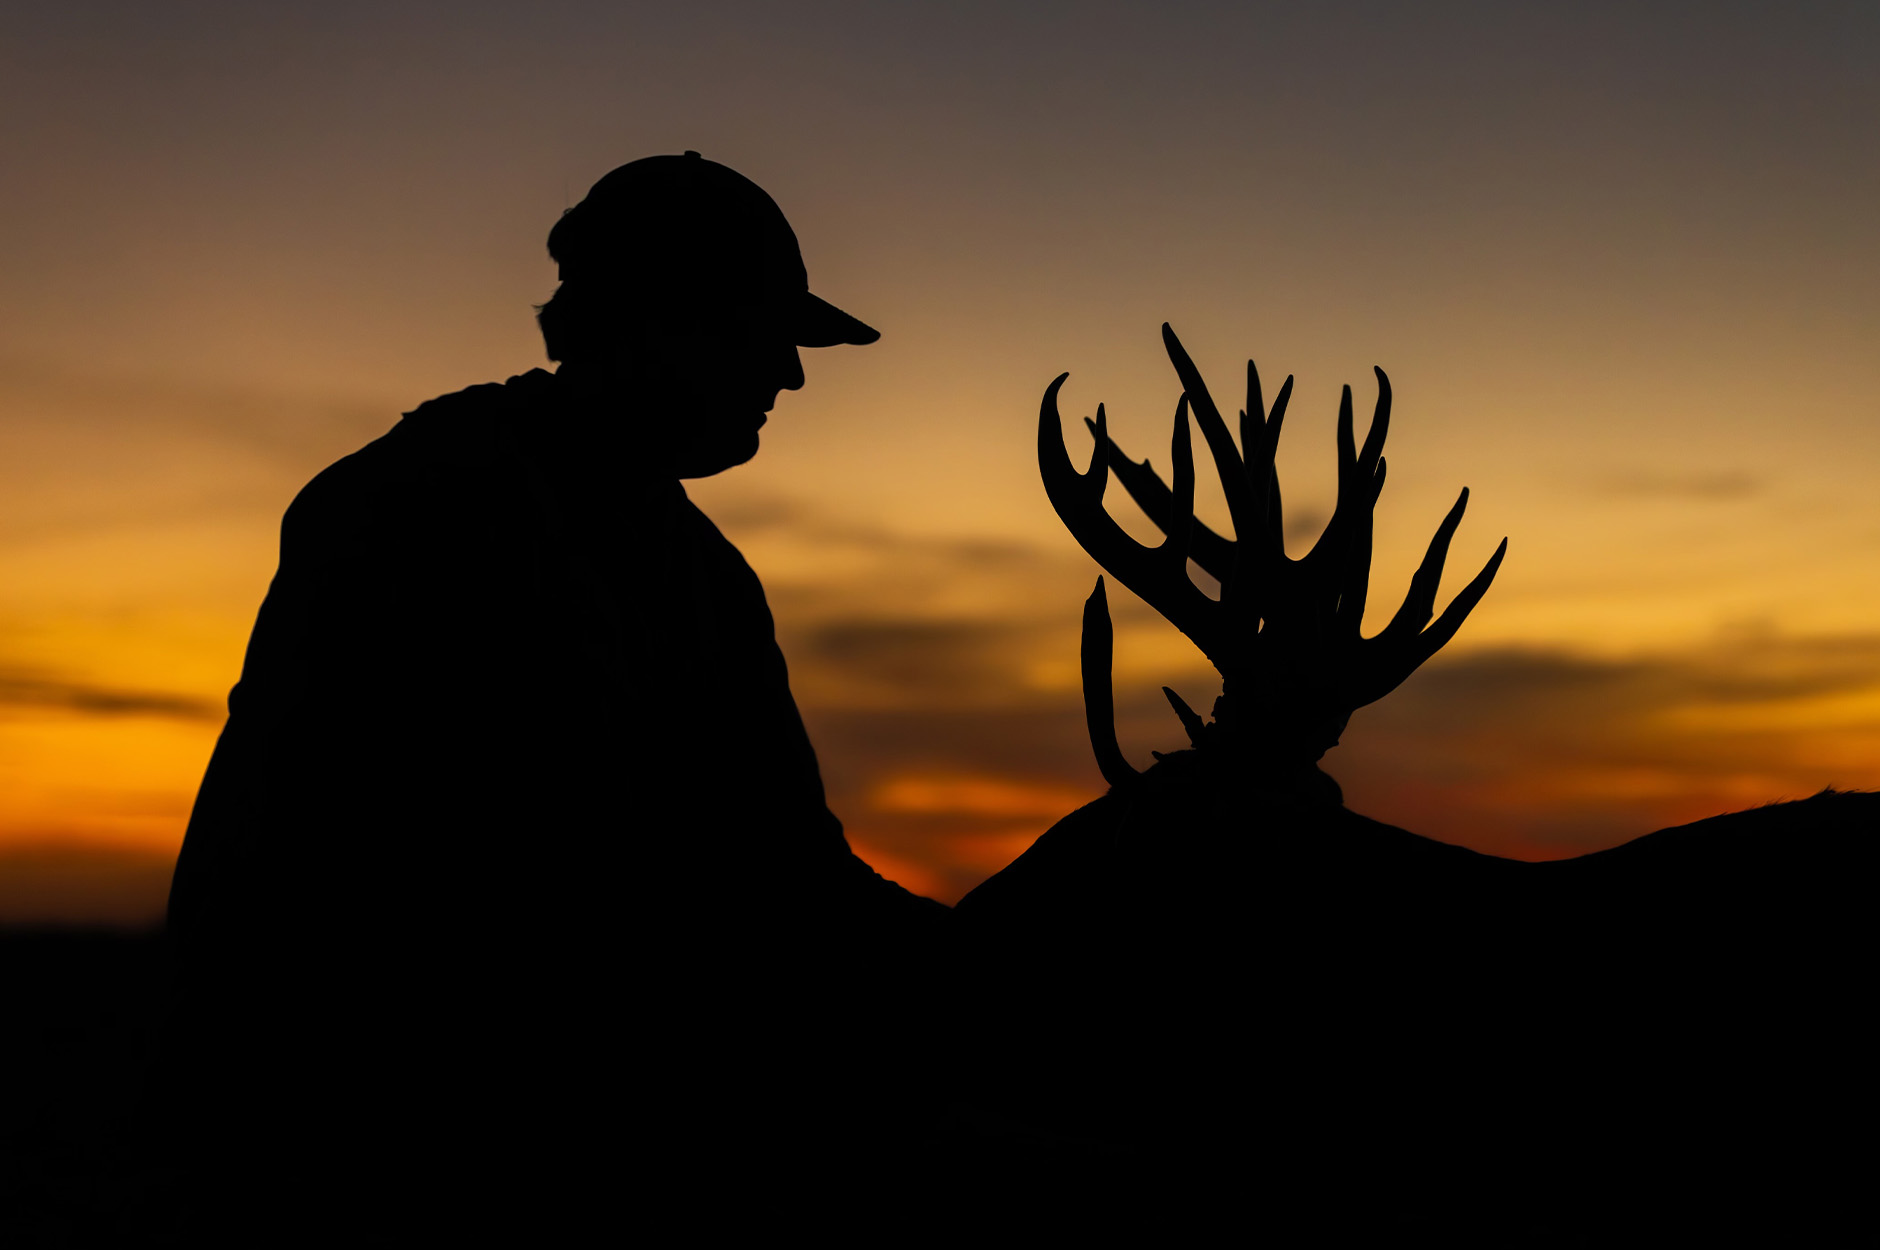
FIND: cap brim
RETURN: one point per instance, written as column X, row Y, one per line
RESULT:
column 821, row 324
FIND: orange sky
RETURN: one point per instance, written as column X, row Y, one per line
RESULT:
column 1618, row 261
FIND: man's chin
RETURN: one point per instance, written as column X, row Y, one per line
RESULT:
column 707, row 461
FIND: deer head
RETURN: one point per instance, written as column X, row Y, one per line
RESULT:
column 1284, row 633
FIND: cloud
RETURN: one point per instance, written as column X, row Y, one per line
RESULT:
column 918, row 661
column 941, row 798
column 84, row 456
column 816, row 568
column 61, row 880
column 1548, row 752
column 290, row 425
column 1522, row 685
column 747, row 516
column 875, row 619
column 1041, row 743
column 998, row 798
column 950, row 829
column 18, row 690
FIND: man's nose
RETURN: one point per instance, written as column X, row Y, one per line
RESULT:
column 791, row 373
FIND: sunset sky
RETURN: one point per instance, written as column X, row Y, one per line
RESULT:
column 1620, row 262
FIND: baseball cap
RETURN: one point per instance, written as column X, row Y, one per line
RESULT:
column 688, row 236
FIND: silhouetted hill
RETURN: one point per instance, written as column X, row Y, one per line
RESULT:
column 1669, row 1034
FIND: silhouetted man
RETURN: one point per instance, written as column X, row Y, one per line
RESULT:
column 515, row 833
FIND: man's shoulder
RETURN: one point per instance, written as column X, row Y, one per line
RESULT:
column 456, row 431
column 441, row 445
column 473, row 413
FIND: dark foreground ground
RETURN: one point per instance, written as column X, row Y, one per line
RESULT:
column 84, row 1163
column 82, row 1017
column 1673, row 1034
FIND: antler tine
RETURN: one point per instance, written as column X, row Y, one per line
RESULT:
column 1277, row 417
column 1347, row 441
column 1099, row 700
column 1332, row 536
column 1380, row 428
column 1205, row 547
column 1357, row 487
column 1190, row 719
column 1419, row 605
column 1355, row 590
column 1252, row 443
column 1275, row 510
column 1181, row 511
column 1062, row 482
column 1437, row 636
column 1078, row 500
column 1404, row 644
column 1389, row 671
column 1259, row 441
column 1253, row 416
column 1061, row 479
column 1275, row 518
column 1367, row 483
column 1235, row 484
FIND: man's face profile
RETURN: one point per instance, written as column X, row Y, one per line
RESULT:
column 695, row 396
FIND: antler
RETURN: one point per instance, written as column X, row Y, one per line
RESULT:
column 1286, row 631
column 1159, row 575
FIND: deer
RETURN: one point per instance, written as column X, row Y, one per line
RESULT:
column 1217, row 951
